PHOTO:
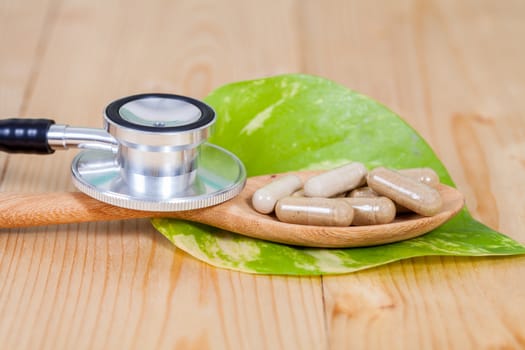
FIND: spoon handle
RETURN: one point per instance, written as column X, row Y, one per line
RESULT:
column 38, row 209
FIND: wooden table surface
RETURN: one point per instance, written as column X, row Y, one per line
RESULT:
column 455, row 70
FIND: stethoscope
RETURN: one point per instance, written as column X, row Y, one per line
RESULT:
column 151, row 154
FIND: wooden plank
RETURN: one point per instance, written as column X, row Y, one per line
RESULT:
column 23, row 33
column 121, row 284
column 107, row 286
column 448, row 68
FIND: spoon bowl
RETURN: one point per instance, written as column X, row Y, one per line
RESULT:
column 239, row 216
column 236, row 215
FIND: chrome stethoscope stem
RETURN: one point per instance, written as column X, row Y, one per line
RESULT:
column 63, row 137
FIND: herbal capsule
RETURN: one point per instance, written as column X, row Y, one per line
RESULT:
column 372, row 210
column 314, row 211
column 335, row 181
column 265, row 198
column 424, row 175
column 363, row 192
column 410, row 193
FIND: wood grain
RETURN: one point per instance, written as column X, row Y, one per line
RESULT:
column 453, row 69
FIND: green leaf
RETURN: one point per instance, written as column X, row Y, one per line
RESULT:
column 295, row 122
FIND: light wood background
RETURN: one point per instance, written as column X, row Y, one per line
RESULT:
column 454, row 69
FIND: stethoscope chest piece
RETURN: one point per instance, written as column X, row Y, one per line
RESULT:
column 159, row 160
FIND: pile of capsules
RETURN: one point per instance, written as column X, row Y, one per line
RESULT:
column 350, row 195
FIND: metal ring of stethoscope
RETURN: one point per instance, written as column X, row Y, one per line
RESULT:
column 152, row 156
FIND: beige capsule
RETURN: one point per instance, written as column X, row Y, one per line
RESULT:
column 418, row 197
column 314, row 211
column 265, row 198
column 372, row 210
column 424, row 175
column 362, row 192
column 336, row 181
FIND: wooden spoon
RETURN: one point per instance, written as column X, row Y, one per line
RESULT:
column 236, row 215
